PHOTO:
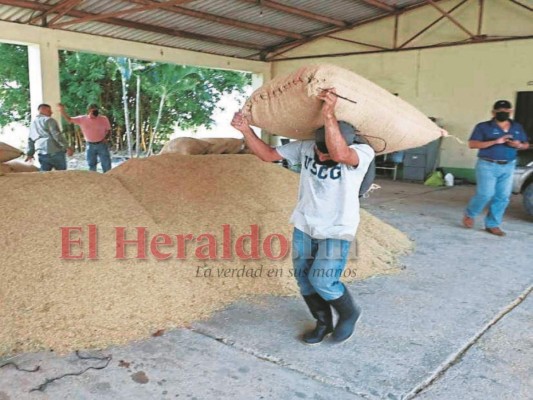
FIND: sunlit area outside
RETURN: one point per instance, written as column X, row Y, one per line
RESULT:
column 147, row 103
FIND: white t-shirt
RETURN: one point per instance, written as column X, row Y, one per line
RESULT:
column 328, row 198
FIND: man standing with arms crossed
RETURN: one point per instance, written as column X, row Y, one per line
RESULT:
column 326, row 216
column 95, row 128
column 498, row 141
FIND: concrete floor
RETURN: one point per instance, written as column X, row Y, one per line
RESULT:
column 456, row 323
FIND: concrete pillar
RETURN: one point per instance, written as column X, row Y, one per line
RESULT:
column 43, row 62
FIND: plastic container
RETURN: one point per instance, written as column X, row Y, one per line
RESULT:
column 448, row 179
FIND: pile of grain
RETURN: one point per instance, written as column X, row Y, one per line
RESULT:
column 48, row 302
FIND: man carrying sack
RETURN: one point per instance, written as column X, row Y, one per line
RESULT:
column 326, row 216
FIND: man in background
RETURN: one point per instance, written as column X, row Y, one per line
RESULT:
column 95, row 128
column 498, row 141
column 48, row 141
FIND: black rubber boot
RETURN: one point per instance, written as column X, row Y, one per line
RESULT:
column 348, row 312
column 322, row 313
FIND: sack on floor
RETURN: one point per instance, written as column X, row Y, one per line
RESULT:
column 5, row 169
column 8, row 152
column 186, row 146
column 224, row 145
column 288, row 106
column 436, row 179
column 21, row 166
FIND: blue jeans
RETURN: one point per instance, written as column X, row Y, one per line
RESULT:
column 494, row 186
column 101, row 151
column 57, row 161
column 319, row 264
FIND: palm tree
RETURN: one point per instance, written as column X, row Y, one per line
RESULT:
column 168, row 79
column 123, row 65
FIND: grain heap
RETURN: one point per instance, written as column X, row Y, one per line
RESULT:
column 48, row 302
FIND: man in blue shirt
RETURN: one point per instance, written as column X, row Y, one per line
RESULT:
column 498, row 141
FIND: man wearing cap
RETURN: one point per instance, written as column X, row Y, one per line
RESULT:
column 498, row 141
column 95, row 128
column 326, row 215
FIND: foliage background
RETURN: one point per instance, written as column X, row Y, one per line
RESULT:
column 170, row 95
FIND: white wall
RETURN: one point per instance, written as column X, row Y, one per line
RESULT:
column 458, row 84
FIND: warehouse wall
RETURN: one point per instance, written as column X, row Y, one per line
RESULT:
column 456, row 84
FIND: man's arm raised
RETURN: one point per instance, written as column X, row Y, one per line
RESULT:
column 256, row 145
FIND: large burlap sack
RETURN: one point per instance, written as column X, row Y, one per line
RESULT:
column 287, row 106
column 8, row 152
column 21, row 166
column 5, row 169
column 224, row 145
column 186, row 146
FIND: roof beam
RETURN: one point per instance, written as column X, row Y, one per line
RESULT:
column 121, row 13
column 61, row 6
column 480, row 17
column 522, row 5
column 137, row 25
column 298, row 11
column 60, row 15
column 225, row 21
column 356, row 42
column 380, row 4
column 431, row 46
column 275, row 51
column 430, row 25
column 447, row 15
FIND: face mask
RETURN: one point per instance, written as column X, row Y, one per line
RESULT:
column 95, row 113
column 501, row 116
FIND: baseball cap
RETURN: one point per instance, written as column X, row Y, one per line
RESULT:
column 502, row 104
column 347, row 131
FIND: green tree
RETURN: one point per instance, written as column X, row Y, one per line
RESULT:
column 168, row 79
column 168, row 96
column 124, row 67
column 14, row 85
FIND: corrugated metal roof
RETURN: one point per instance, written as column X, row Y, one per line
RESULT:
column 257, row 14
column 344, row 10
column 14, row 14
column 243, row 28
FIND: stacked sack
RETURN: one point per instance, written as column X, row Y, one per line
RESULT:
column 192, row 146
column 8, row 162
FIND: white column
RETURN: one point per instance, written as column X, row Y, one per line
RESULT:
column 43, row 62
